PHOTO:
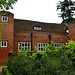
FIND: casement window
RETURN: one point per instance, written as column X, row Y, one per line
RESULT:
column 3, row 43
column 23, row 46
column 4, row 19
column 41, row 46
column 37, row 27
column 58, row 45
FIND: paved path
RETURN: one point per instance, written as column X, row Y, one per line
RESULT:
column 1, row 73
column 1, row 69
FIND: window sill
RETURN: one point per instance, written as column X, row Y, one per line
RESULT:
column 5, row 21
column 3, row 46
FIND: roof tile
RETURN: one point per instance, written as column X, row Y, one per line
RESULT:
column 48, row 27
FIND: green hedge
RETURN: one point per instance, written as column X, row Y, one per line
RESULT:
column 6, row 71
column 55, row 61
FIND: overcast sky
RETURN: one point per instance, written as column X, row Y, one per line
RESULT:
column 37, row 10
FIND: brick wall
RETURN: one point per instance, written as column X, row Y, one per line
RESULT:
column 7, row 35
column 71, row 28
column 38, row 37
column 13, row 36
column 59, row 37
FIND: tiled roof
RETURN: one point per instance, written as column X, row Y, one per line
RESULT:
column 48, row 27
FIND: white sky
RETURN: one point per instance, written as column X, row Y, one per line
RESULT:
column 37, row 10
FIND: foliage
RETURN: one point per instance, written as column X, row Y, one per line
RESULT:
column 36, row 49
column 67, row 8
column 23, row 50
column 55, row 61
column 6, row 4
column 50, row 46
column 1, row 27
column 38, row 64
column 6, row 71
column 71, row 51
column 19, row 64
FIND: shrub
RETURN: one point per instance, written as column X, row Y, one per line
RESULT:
column 19, row 64
column 6, row 71
column 55, row 61
column 37, row 64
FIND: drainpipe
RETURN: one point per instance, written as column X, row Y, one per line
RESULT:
column 49, row 39
column 31, row 42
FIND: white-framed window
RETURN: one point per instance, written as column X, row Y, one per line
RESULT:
column 41, row 46
column 4, row 19
column 37, row 27
column 23, row 46
column 58, row 45
column 67, row 31
column 3, row 43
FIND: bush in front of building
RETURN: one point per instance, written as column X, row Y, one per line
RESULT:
column 6, row 71
column 55, row 61
column 37, row 64
column 67, row 58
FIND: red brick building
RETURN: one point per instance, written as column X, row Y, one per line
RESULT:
column 28, row 34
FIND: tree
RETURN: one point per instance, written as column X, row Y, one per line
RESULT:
column 67, row 8
column 6, row 5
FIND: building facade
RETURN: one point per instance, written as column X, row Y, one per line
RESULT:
column 23, row 34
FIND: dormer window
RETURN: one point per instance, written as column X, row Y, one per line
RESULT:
column 37, row 27
column 4, row 19
column 67, row 31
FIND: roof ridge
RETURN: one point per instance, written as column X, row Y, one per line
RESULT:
column 36, row 21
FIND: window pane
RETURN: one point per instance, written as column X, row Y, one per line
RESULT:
column 55, row 44
column 28, row 44
column 37, row 28
column 19, row 44
column 4, row 43
column 25, row 48
column 41, row 49
column 41, row 44
column 38, row 45
column 38, row 48
column 44, row 45
column 34, row 27
column 44, row 50
column 25, row 44
column 20, row 47
column 22, row 44
column 28, row 47
column 5, row 18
